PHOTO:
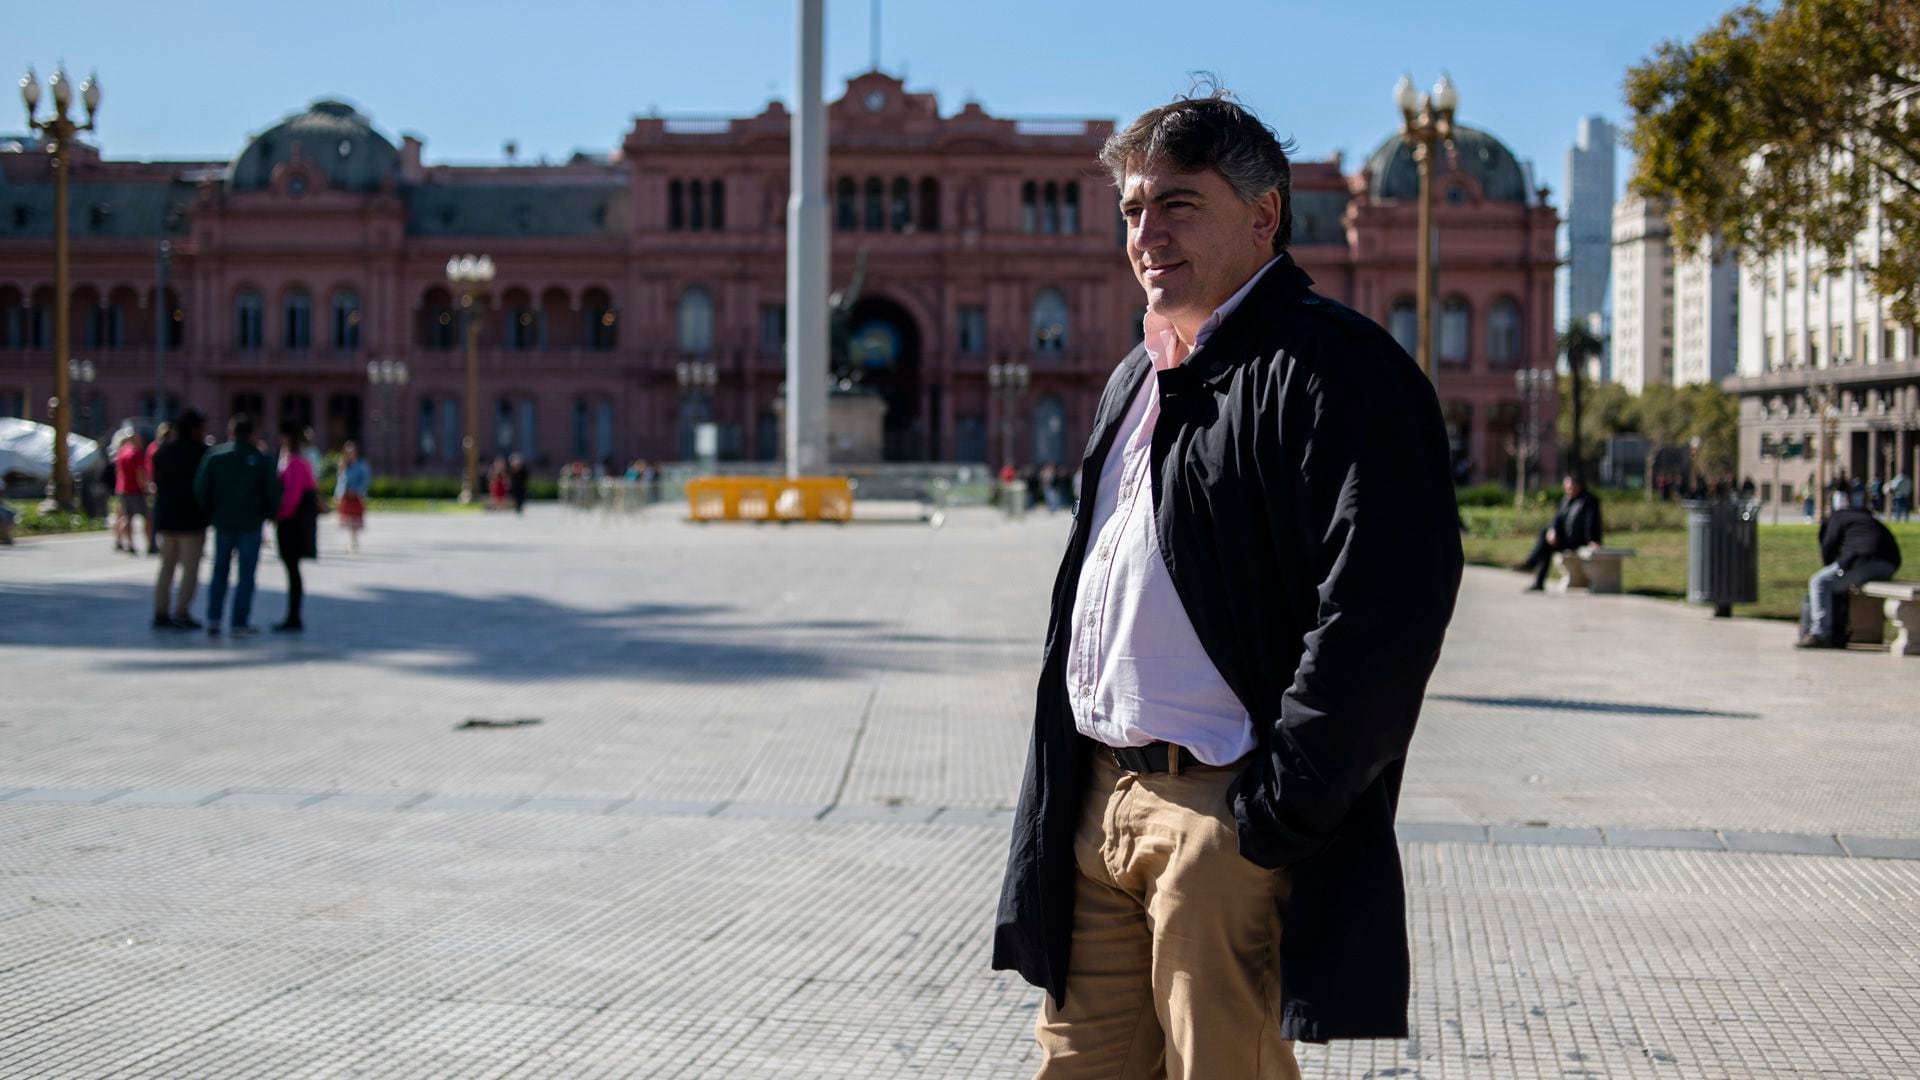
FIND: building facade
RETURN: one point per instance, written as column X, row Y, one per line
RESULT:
column 1642, row 295
column 1706, row 316
column 1823, row 367
column 978, row 240
column 1588, row 253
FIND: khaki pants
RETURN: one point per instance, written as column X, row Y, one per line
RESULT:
column 1175, row 969
column 178, row 551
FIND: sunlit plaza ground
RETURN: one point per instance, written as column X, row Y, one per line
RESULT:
column 759, row 827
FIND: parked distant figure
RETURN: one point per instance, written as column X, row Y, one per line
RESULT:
column 296, row 523
column 517, row 483
column 310, row 449
column 1575, row 525
column 130, row 493
column 180, row 520
column 237, row 486
column 1900, row 495
column 1857, row 549
column 350, row 492
column 497, row 487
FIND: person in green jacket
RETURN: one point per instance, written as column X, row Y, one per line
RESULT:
column 239, row 486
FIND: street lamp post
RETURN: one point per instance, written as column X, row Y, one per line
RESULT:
column 470, row 275
column 59, row 132
column 1009, row 381
column 1427, row 122
column 1532, row 385
column 391, row 377
column 696, row 378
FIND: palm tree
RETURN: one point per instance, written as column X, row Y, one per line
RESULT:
column 1578, row 343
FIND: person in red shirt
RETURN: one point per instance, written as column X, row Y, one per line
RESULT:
column 131, row 474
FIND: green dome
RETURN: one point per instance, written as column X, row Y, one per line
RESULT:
column 332, row 137
column 1480, row 155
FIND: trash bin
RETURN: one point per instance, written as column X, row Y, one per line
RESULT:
column 1723, row 554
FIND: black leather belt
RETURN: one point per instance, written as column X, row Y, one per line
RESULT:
column 1151, row 758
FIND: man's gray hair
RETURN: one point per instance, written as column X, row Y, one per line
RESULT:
column 1209, row 130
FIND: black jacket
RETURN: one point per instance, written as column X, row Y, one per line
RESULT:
column 1850, row 536
column 1304, row 504
column 1577, row 523
column 174, row 507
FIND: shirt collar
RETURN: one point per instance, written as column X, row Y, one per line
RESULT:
column 1163, row 344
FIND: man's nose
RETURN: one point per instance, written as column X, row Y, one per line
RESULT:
column 1149, row 232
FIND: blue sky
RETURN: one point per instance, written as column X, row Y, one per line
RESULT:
column 193, row 78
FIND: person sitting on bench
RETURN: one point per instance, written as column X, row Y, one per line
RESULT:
column 1575, row 525
column 1856, row 549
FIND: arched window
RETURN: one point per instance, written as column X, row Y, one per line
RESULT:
column 592, row 429
column 717, row 191
column 13, row 319
column 676, row 205
column 346, row 320
column 1049, row 321
column 117, row 313
column 1456, row 331
column 247, row 308
column 696, row 320
column 176, row 320
column 523, row 331
column 901, row 205
column 1050, row 213
column 438, row 320
column 697, row 219
column 1029, row 208
column 1049, row 431
column 1503, row 332
column 296, row 331
column 40, row 318
column 876, row 215
column 929, row 205
column 1403, row 322
column 846, row 212
column 1070, row 215
column 601, row 322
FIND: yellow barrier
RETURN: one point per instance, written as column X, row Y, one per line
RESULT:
column 761, row 498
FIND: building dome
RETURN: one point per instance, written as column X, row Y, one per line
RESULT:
column 331, row 137
column 1476, row 153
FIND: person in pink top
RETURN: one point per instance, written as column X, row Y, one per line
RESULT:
column 297, row 521
column 130, row 478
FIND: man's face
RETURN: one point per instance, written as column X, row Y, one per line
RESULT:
column 1191, row 239
column 1570, row 486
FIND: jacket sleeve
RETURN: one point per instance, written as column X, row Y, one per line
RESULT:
column 202, row 486
column 269, row 485
column 1598, row 533
column 1372, row 516
column 1829, row 543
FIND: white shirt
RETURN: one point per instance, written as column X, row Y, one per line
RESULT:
column 1135, row 668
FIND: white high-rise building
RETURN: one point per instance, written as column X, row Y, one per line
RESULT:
column 1642, row 295
column 1706, row 316
column 1589, row 223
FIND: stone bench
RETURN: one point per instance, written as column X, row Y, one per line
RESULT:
column 1897, row 602
column 1595, row 569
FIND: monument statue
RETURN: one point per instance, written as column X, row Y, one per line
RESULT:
column 845, row 374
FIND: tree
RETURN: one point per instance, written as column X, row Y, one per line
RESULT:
column 1713, row 418
column 1777, row 125
column 1578, row 343
column 1664, row 419
column 1607, row 411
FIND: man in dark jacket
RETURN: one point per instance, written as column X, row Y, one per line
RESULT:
column 1254, row 594
column 180, row 521
column 1575, row 525
column 239, row 487
column 1856, row 549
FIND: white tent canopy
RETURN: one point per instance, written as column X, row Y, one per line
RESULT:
column 26, row 449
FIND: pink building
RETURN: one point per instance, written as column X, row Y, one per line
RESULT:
column 322, row 246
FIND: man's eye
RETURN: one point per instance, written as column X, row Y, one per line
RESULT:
column 1131, row 213
column 1176, row 204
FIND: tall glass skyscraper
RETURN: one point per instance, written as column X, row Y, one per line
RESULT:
column 1588, row 248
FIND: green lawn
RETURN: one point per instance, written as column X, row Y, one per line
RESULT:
column 1789, row 554
column 32, row 522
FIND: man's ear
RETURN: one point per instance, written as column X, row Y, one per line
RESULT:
column 1266, row 218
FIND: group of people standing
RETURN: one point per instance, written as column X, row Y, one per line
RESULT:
column 236, row 488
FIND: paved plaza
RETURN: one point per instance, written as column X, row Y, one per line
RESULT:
column 759, row 826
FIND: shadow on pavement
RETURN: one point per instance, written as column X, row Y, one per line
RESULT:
column 1624, row 708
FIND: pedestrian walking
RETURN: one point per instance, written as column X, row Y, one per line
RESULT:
column 238, row 487
column 1900, row 494
column 1856, row 549
column 296, row 522
column 517, row 483
column 350, row 492
column 180, row 521
column 130, row 493
column 497, row 485
column 1203, row 865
